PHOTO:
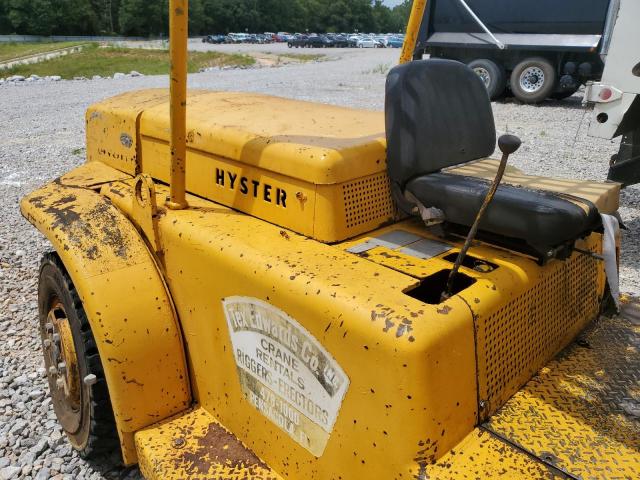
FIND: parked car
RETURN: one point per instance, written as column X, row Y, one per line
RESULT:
column 382, row 40
column 340, row 41
column 395, row 42
column 319, row 41
column 216, row 39
column 237, row 38
column 368, row 43
column 298, row 41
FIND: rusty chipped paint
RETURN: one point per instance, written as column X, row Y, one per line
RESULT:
column 208, row 255
column 121, row 290
column 331, row 158
column 178, row 39
column 92, row 175
column 405, row 358
column 196, row 446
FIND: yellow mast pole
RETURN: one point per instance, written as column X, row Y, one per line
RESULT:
column 413, row 30
column 178, row 38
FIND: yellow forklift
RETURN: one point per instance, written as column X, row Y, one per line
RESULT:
column 274, row 289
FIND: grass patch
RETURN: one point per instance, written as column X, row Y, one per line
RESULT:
column 9, row 51
column 381, row 69
column 302, row 57
column 105, row 61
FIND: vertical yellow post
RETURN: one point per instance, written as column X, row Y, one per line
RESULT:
column 413, row 30
column 178, row 38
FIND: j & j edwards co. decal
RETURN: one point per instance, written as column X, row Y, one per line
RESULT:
column 284, row 371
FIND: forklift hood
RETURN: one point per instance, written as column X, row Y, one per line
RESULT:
column 291, row 162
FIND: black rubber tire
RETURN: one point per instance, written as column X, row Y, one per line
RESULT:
column 290, row 45
column 547, row 87
column 96, row 434
column 497, row 76
column 563, row 95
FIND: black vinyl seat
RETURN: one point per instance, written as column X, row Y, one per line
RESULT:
column 438, row 115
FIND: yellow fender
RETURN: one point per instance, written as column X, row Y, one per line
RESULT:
column 124, row 296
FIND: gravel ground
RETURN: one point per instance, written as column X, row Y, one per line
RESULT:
column 43, row 136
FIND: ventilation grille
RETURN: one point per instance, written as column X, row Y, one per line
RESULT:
column 522, row 336
column 367, row 200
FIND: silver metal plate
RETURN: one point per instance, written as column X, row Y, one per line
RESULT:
column 425, row 249
column 403, row 242
column 392, row 240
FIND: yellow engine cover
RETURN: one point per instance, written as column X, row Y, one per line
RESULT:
column 319, row 170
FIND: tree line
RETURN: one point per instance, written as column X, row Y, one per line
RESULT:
column 150, row 17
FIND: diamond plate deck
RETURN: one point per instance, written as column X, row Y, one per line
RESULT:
column 481, row 455
column 581, row 413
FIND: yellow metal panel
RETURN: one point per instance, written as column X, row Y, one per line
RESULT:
column 580, row 414
column 522, row 332
column 125, row 299
column 483, row 456
column 92, row 174
column 178, row 39
column 352, row 208
column 327, row 213
column 317, row 143
column 282, row 200
column 523, row 313
column 421, row 391
column 112, row 128
column 418, row 9
column 196, row 446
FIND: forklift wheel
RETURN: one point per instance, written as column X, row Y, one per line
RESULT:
column 76, row 378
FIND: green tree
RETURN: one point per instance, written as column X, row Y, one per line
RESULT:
column 5, row 24
column 143, row 17
column 197, row 18
column 106, row 13
column 35, row 17
column 150, row 17
column 75, row 17
column 400, row 15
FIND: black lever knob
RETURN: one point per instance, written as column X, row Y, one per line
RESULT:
column 508, row 144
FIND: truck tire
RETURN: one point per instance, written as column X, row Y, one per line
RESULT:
column 493, row 76
column 533, row 80
column 78, row 388
column 565, row 94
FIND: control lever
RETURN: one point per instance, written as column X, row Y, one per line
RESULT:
column 508, row 144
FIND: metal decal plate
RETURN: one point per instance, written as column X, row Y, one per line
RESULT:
column 285, row 372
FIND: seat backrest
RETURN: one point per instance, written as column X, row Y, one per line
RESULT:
column 438, row 114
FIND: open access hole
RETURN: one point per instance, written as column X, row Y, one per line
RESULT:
column 431, row 288
column 472, row 263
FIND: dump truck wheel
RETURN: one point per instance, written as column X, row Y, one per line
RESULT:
column 563, row 95
column 492, row 75
column 533, row 80
column 74, row 370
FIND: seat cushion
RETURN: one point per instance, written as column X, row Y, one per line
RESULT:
column 604, row 195
column 541, row 219
column 438, row 114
